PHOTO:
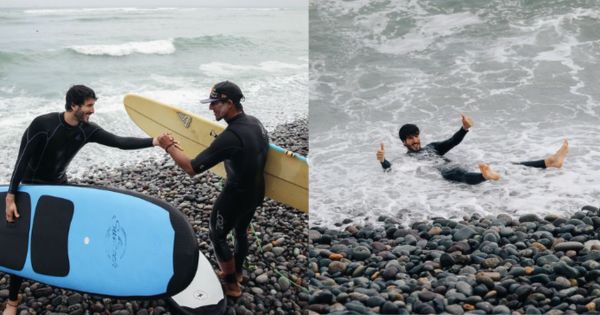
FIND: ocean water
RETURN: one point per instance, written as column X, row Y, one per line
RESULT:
column 527, row 72
column 171, row 54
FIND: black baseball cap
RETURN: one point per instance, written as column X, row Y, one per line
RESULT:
column 223, row 91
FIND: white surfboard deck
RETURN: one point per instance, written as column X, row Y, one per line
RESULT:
column 204, row 295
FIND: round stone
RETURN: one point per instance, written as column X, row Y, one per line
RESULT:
column 361, row 253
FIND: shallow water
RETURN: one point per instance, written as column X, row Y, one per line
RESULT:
column 524, row 71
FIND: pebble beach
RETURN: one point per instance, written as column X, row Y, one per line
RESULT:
column 479, row 265
column 275, row 280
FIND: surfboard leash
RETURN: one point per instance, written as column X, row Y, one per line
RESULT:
column 288, row 152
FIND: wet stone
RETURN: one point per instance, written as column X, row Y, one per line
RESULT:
column 361, row 253
column 322, row 297
column 357, row 307
column 336, row 266
column 455, row 309
column 501, row 309
column 463, row 234
column 423, row 308
column 504, row 266
column 426, row 296
column 374, row 301
column 389, row 308
column 42, row 292
column 490, row 262
column 568, row 246
column 74, row 299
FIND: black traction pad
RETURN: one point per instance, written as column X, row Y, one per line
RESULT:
column 50, row 236
column 215, row 309
column 14, row 237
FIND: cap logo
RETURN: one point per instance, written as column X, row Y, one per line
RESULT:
column 200, row 295
column 185, row 119
column 214, row 94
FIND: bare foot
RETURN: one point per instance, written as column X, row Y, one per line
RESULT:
column 557, row 159
column 487, row 172
column 232, row 289
column 11, row 307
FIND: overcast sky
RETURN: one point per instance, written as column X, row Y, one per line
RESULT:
column 153, row 3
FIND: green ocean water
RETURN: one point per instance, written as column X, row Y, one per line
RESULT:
column 171, row 54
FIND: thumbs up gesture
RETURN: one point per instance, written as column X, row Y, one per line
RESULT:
column 381, row 153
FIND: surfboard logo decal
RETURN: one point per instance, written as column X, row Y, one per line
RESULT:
column 185, row 119
column 116, row 240
column 200, row 295
column 213, row 133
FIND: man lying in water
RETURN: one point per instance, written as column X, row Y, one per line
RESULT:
column 409, row 135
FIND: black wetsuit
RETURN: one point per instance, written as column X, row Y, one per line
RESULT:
column 537, row 163
column 48, row 146
column 243, row 147
column 455, row 173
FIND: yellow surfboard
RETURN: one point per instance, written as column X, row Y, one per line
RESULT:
column 286, row 173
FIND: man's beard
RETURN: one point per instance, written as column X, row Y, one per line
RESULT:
column 80, row 115
column 411, row 148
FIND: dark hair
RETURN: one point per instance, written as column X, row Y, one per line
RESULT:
column 408, row 130
column 238, row 104
column 77, row 95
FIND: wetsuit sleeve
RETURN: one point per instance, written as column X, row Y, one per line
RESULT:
column 386, row 165
column 443, row 147
column 30, row 142
column 224, row 146
column 104, row 137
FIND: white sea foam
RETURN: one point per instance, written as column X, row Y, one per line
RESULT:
column 253, row 9
column 429, row 30
column 8, row 89
column 349, row 179
column 82, row 11
column 263, row 96
column 15, row 123
column 339, row 8
column 373, row 21
column 527, row 82
column 155, row 47
column 228, row 69
column 48, row 62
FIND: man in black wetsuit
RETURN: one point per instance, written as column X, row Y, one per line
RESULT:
column 48, row 146
column 243, row 147
column 409, row 135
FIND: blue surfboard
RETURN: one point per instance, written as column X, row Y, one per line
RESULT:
column 97, row 240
